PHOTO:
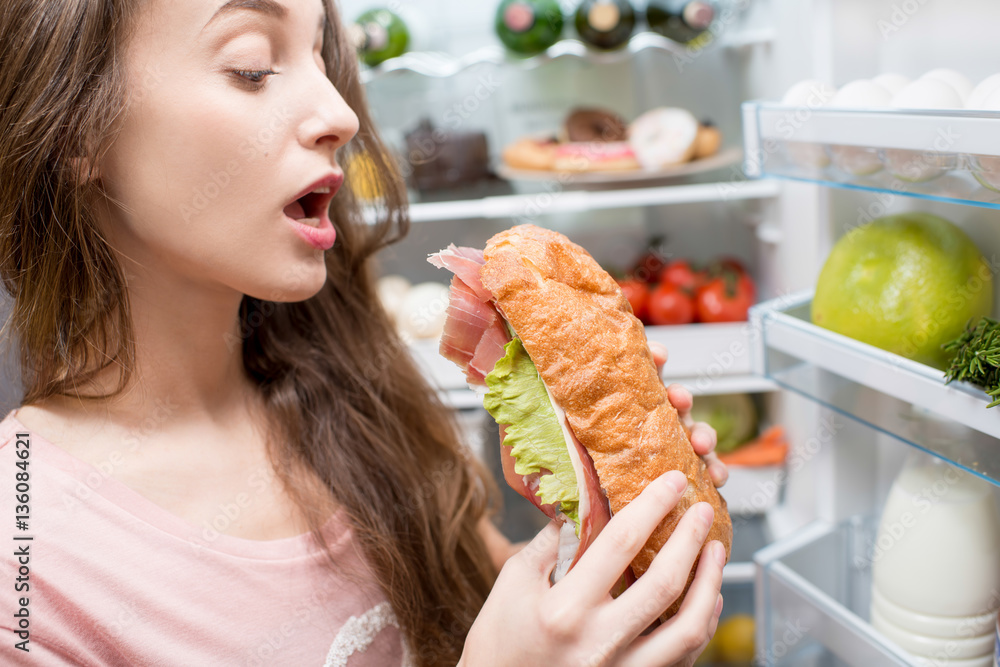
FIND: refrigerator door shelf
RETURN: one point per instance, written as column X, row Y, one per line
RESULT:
column 897, row 396
column 951, row 156
column 813, row 595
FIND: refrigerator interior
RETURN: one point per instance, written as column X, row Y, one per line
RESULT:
column 811, row 598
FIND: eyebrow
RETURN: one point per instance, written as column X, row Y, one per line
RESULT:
column 267, row 7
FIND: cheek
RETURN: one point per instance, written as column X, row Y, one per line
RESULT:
column 190, row 156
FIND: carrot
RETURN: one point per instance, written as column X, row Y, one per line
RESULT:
column 770, row 448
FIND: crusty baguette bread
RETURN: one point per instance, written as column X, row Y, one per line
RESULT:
column 593, row 356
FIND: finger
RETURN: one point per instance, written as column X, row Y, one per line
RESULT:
column 667, row 576
column 717, row 470
column 538, row 556
column 690, row 630
column 612, row 551
column 659, row 351
column 681, row 399
column 703, row 438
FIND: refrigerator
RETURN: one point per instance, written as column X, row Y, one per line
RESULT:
column 806, row 532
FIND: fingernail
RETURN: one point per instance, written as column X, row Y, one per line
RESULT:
column 706, row 513
column 677, row 478
column 718, row 605
column 719, row 552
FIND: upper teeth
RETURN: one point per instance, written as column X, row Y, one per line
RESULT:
column 322, row 191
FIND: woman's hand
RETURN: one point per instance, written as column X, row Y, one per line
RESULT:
column 703, row 437
column 528, row 621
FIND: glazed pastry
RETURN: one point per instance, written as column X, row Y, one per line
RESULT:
column 664, row 137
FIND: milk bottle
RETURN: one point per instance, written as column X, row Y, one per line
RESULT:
column 936, row 565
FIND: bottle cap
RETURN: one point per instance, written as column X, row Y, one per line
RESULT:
column 604, row 16
column 519, row 17
column 699, row 15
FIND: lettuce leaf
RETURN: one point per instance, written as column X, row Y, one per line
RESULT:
column 517, row 397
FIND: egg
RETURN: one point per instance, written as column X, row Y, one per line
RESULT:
column 956, row 80
column 921, row 166
column 982, row 92
column 809, row 93
column 861, row 94
column 986, row 168
column 424, row 310
column 391, row 291
column 813, row 94
column 891, row 82
column 928, row 94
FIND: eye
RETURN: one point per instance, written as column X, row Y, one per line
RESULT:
column 252, row 79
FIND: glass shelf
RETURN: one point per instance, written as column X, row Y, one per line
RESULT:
column 443, row 65
column 897, row 396
column 951, row 156
column 813, row 594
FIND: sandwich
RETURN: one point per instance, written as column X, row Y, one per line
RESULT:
column 546, row 337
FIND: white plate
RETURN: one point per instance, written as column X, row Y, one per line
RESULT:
column 724, row 158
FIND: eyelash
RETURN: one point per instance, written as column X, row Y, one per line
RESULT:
column 252, row 79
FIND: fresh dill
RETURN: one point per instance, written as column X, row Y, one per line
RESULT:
column 977, row 357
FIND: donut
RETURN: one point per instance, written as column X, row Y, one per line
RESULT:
column 595, row 156
column 664, row 137
column 530, row 154
column 585, row 125
column 708, row 141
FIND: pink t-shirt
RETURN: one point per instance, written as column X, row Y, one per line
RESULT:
column 114, row 579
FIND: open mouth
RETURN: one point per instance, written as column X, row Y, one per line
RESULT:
column 309, row 209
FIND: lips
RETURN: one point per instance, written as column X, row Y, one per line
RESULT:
column 312, row 204
column 309, row 212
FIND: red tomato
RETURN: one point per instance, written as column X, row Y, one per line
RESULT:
column 638, row 296
column 681, row 273
column 729, row 263
column 669, row 304
column 726, row 298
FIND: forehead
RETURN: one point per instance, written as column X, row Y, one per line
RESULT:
column 190, row 21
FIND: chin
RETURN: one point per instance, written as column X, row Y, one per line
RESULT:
column 298, row 282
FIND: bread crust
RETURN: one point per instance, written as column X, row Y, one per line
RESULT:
column 593, row 356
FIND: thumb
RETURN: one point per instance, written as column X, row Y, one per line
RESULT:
column 539, row 555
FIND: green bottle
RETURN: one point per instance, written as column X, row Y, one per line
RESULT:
column 680, row 20
column 379, row 35
column 529, row 27
column 605, row 24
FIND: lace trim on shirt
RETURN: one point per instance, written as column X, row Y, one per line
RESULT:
column 358, row 633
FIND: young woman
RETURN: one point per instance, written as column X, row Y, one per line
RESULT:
column 224, row 453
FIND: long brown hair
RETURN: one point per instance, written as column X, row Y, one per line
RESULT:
column 344, row 400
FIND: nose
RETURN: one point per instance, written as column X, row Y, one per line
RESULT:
column 329, row 121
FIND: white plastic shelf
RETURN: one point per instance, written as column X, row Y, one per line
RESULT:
column 706, row 358
column 578, row 201
column 951, row 155
column 916, row 406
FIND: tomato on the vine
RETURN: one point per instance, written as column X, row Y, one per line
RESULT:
column 680, row 272
column 669, row 304
column 637, row 294
column 726, row 298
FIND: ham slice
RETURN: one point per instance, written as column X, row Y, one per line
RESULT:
column 474, row 338
column 464, row 263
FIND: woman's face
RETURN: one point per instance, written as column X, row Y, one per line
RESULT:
column 232, row 119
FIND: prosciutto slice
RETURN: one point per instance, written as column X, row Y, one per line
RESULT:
column 474, row 338
column 464, row 263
